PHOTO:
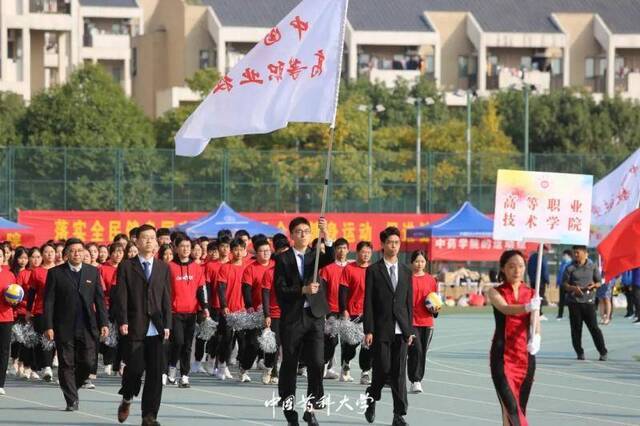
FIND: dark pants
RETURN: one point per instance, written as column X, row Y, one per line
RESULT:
column 181, row 340
column 248, row 348
column 580, row 313
column 302, row 339
column 75, row 360
column 108, row 355
column 143, row 356
column 390, row 365
column 543, row 292
column 349, row 352
column 226, row 340
column 631, row 304
column 330, row 342
column 636, row 299
column 417, row 357
column 561, row 302
column 271, row 360
column 42, row 358
column 5, row 349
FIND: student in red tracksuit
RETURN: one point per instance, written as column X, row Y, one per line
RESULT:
column 212, row 257
column 230, row 296
column 108, row 273
column 6, row 320
column 252, row 295
column 352, row 307
column 332, row 274
column 23, row 356
column 423, row 285
column 187, row 278
column 271, row 311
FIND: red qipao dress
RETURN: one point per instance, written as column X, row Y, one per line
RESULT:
column 512, row 367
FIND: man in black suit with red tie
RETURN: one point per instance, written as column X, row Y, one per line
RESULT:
column 388, row 325
column 303, row 306
column 143, row 311
column 73, row 310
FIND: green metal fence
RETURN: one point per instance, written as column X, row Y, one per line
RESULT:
column 252, row 180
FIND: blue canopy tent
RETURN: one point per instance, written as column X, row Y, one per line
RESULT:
column 13, row 226
column 225, row 218
column 462, row 236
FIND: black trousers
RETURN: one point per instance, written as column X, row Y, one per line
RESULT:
column 248, row 348
column 636, row 299
column 271, row 360
column 226, row 338
column 390, row 365
column 330, row 342
column 302, row 339
column 348, row 352
column 41, row 358
column 144, row 356
column 417, row 357
column 631, row 304
column 5, row 349
column 561, row 302
column 181, row 340
column 108, row 355
column 75, row 360
column 580, row 313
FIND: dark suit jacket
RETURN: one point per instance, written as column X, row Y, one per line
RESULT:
column 139, row 302
column 383, row 307
column 288, row 285
column 60, row 308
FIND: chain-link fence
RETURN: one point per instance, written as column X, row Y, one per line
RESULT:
column 253, row 180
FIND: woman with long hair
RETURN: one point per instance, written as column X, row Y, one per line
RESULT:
column 35, row 305
column 165, row 253
column 92, row 248
column 108, row 275
column 23, row 357
column 130, row 250
column 103, row 254
column 6, row 321
column 513, row 350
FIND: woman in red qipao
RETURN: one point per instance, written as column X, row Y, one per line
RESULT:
column 512, row 364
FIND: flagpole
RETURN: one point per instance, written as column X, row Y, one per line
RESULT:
column 536, row 314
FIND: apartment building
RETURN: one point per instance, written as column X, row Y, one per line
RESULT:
column 42, row 41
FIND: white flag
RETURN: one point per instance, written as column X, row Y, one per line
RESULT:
column 614, row 197
column 291, row 75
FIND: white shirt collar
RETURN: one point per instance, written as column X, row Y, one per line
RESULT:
column 389, row 265
column 296, row 252
column 74, row 268
column 142, row 260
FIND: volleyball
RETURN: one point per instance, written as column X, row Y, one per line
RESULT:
column 13, row 294
column 433, row 302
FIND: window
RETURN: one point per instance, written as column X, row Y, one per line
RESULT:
column 492, row 68
column 619, row 65
column 204, row 59
column 14, row 50
column 589, row 68
column 525, row 62
column 430, row 64
column 602, row 66
column 134, row 61
column 463, row 67
column 556, row 66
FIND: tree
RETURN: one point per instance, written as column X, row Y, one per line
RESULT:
column 12, row 111
column 203, row 81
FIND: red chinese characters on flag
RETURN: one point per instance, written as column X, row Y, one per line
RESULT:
column 225, row 84
column 553, row 205
column 319, row 66
column 275, row 71
column 251, row 76
column 532, row 203
column 299, row 25
column 295, row 68
column 273, row 37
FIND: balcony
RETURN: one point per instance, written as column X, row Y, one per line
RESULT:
column 629, row 85
column 50, row 15
column 106, row 46
column 50, row 6
column 389, row 77
column 510, row 77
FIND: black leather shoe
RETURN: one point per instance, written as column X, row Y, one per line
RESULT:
column 149, row 421
column 123, row 411
column 72, row 407
column 604, row 357
column 370, row 412
column 398, row 420
column 310, row 418
column 580, row 357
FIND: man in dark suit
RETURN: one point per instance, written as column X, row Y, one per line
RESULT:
column 143, row 311
column 303, row 305
column 388, row 325
column 73, row 310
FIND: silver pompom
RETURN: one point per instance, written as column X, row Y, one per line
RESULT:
column 47, row 345
column 267, row 341
column 206, row 329
column 332, row 326
column 245, row 321
column 351, row 332
column 30, row 338
column 112, row 339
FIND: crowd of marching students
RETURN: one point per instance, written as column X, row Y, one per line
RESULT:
column 210, row 278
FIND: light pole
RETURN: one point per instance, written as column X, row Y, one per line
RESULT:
column 526, row 125
column 371, row 110
column 418, row 103
column 469, row 93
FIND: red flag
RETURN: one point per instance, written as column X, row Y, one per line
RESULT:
column 620, row 250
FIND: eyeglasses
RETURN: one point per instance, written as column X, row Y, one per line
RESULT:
column 302, row 232
column 264, row 251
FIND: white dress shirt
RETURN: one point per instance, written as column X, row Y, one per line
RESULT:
column 389, row 265
column 299, row 261
column 152, row 330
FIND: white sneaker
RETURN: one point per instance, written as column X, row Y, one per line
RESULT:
column 261, row 365
column 54, row 363
column 345, row 376
column 416, row 387
column 210, row 367
column 365, row 379
column 34, row 376
column 543, row 318
column 172, row 376
column 88, row 384
column 244, row 377
column 48, row 374
column 24, row 373
column 14, row 368
column 302, row 371
column 92, row 377
column 201, row 369
column 220, row 373
column 164, row 379
column 266, row 376
column 227, row 373
column 184, row 382
column 330, row 374
column 274, row 380
column 2, row 392
column 108, row 370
